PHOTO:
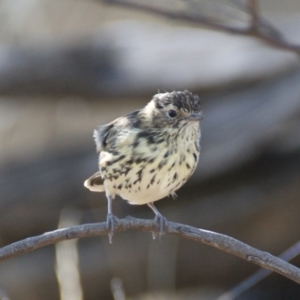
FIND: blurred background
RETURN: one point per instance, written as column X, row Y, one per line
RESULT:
column 68, row 66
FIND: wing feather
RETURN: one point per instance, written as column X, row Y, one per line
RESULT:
column 108, row 137
column 105, row 136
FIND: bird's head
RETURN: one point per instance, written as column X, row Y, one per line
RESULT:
column 175, row 109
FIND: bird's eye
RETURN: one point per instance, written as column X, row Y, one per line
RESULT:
column 172, row 113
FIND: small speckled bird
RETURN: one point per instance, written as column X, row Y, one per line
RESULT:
column 149, row 153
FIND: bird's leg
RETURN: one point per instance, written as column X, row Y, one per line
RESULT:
column 111, row 220
column 159, row 219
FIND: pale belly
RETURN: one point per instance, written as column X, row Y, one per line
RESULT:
column 149, row 182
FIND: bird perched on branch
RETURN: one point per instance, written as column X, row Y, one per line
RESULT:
column 149, row 153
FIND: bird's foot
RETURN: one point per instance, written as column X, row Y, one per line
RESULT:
column 111, row 222
column 161, row 222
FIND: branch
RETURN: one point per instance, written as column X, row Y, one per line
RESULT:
column 254, row 13
column 217, row 240
column 258, row 275
column 257, row 27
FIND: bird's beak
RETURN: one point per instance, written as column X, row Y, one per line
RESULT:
column 195, row 117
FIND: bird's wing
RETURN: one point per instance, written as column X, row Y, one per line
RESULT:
column 95, row 183
column 106, row 134
column 102, row 134
column 109, row 136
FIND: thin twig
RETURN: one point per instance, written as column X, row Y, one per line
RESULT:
column 260, row 27
column 262, row 30
column 217, row 240
column 253, row 12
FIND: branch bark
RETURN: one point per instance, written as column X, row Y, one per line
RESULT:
column 217, row 240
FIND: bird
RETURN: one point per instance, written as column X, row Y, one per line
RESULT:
column 149, row 153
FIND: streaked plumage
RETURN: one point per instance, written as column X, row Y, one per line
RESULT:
column 149, row 153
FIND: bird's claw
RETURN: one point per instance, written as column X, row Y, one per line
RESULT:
column 160, row 222
column 111, row 222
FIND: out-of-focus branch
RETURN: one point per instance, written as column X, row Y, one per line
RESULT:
column 67, row 260
column 3, row 295
column 257, row 27
column 217, row 240
column 254, row 13
column 259, row 275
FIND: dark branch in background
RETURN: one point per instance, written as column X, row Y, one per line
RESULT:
column 253, row 12
column 261, row 28
column 259, row 275
column 257, row 27
column 217, row 240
